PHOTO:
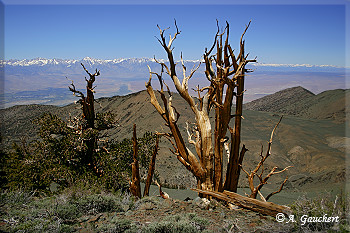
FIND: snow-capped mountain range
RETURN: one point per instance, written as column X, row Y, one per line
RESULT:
column 93, row 61
column 68, row 62
column 43, row 80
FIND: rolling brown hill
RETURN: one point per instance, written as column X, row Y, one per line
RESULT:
column 315, row 147
column 300, row 102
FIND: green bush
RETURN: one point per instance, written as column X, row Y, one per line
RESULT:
column 67, row 212
column 19, row 197
column 147, row 202
column 97, row 203
column 56, row 160
column 171, row 227
column 179, row 223
column 118, row 226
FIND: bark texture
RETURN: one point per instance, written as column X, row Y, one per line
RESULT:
column 135, row 187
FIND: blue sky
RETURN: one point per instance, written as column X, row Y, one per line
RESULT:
column 293, row 34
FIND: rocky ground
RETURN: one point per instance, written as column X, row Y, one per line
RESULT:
column 199, row 215
column 86, row 211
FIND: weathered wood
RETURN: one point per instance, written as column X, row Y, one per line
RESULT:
column 135, row 187
column 233, row 168
column 223, row 71
column 266, row 208
column 151, row 169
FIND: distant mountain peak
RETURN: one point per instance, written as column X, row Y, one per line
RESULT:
column 278, row 101
column 294, row 90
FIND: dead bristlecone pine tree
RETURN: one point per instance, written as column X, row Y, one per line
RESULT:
column 213, row 141
column 135, row 187
column 88, row 124
column 226, row 73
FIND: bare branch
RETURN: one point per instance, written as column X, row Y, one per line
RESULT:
column 242, row 42
column 261, row 196
column 206, row 100
column 175, row 35
column 285, row 169
column 92, row 76
column 187, row 78
column 168, row 137
column 275, row 129
column 263, row 180
column 153, row 97
column 215, row 39
column 244, row 170
column 209, row 72
column 279, row 190
column 75, row 92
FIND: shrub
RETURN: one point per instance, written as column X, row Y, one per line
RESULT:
column 97, row 203
column 56, row 159
column 66, row 212
column 179, row 223
column 19, row 197
column 170, row 227
column 147, row 202
column 118, row 226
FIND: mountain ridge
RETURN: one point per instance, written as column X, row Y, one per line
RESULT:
column 274, row 102
column 55, row 61
column 298, row 101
